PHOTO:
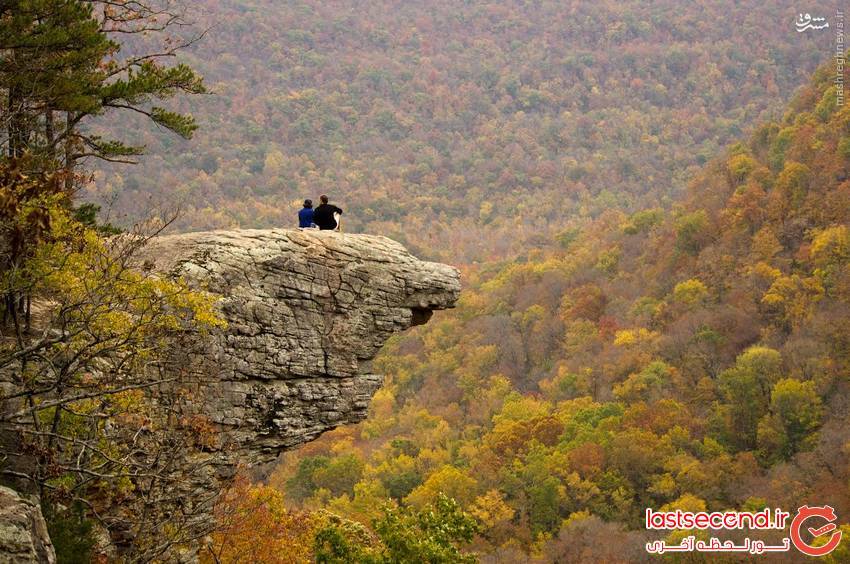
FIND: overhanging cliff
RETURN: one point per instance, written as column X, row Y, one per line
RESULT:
column 306, row 312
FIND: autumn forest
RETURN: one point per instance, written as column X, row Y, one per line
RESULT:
column 649, row 204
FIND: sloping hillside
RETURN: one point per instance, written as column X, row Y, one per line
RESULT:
column 691, row 359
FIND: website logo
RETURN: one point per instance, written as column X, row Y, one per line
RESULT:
column 826, row 513
column 818, row 521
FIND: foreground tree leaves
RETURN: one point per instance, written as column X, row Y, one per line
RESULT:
column 402, row 534
column 90, row 399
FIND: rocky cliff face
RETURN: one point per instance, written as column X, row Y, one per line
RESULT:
column 306, row 311
column 23, row 533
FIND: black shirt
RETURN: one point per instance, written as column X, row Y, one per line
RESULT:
column 323, row 216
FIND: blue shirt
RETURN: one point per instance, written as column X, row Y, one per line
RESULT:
column 305, row 217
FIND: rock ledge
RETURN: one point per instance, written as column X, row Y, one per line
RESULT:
column 306, row 311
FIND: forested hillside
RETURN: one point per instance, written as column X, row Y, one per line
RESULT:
column 692, row 358
column 466, row 130
column 654, row 314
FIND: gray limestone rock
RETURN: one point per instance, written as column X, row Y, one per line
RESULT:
column 306, row 311
column 23, row 532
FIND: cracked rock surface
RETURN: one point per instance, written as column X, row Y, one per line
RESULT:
column 23, row 532
column 306, row 312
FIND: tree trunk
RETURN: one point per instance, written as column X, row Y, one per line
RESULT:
column 16, row 123
column 49, row 135
column 69, row 153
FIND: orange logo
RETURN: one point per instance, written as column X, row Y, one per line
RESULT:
column 828, row 514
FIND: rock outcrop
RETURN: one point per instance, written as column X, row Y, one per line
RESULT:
column 306, row 312
column 23, row 533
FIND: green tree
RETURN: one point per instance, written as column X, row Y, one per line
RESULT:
column 87, row 393
column 650, row 384
column 340, row 474
column 793, row 182
column 691, row 232
column 51, row 52
column 740, row 166
column 431, row 535
column 746, row 392
column 60, row 66
column 303, row 484
column 795, row 413
column 642, row 221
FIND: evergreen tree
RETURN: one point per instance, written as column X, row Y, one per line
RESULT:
column 60, row 65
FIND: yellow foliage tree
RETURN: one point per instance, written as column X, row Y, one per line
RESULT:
column 449, row 481
column 491, row 510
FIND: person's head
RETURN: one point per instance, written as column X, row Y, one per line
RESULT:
column 324, row 199
column 308, row 203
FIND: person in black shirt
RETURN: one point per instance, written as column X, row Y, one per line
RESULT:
column 323, row 216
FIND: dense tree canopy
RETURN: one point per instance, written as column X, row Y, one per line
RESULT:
column 692, row 358
column 467, row 130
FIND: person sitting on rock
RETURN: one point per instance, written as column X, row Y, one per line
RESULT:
column 305, row 216
column 326, row 216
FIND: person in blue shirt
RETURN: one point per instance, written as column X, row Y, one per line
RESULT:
column 305, row 216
